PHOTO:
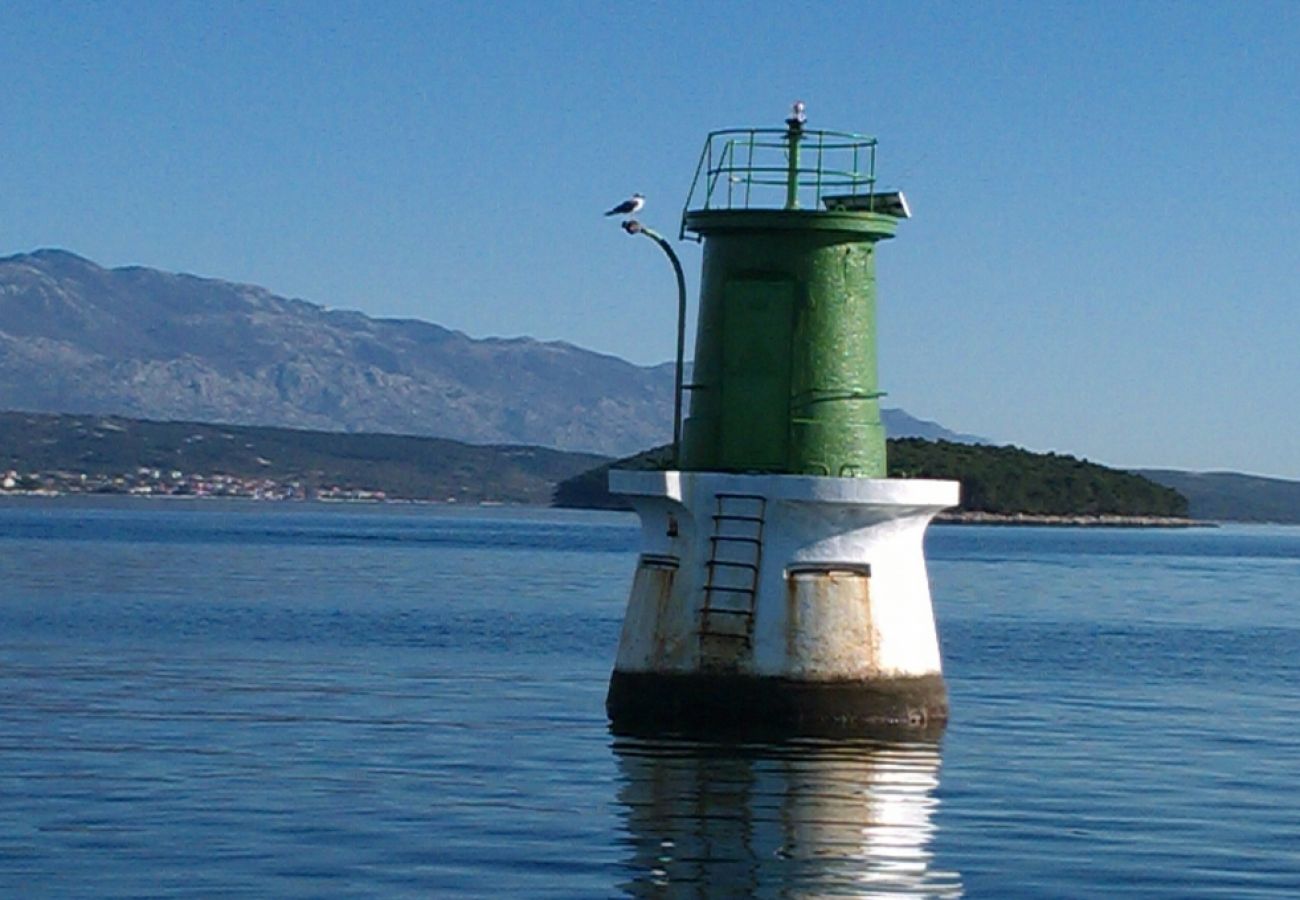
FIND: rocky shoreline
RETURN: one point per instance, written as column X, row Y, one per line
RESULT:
column 1070, row 521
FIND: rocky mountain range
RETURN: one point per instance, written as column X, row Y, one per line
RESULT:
column 133, row 341
column 75, row 337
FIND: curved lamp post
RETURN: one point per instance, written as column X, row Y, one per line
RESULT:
column 632, row 226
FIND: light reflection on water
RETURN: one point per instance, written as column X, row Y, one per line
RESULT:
column 799, row 819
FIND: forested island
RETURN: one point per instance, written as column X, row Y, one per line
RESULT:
column 999, row 484
column 1010, row 481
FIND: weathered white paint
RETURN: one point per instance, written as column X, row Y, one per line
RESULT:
column 815, row 615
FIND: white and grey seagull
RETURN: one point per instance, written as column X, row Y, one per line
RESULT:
column 628, row 207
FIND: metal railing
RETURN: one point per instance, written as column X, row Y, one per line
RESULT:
column 782, row 168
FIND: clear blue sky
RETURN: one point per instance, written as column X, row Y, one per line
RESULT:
column 1104, row 258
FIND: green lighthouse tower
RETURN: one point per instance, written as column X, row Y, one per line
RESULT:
column 782, row 578
column 785, row 373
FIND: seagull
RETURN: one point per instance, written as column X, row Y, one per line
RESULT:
column 628, row 207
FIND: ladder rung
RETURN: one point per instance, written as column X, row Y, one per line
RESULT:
column 733, row 624
column 735, row 565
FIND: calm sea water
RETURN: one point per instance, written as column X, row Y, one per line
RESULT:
column 257, row 700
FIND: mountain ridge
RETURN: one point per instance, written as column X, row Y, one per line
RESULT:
column 75, row 337
column 139, row 342
column 1233, row 496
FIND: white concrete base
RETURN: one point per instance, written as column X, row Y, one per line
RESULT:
column 799, row 579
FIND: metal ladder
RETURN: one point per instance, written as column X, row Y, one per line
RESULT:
column 731, row 578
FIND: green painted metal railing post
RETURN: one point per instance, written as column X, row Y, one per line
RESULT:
column 760, row 168
column 792, row 137
column 632, row 226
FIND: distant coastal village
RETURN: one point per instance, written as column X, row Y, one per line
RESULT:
column 146, row 482
column 50, row 455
